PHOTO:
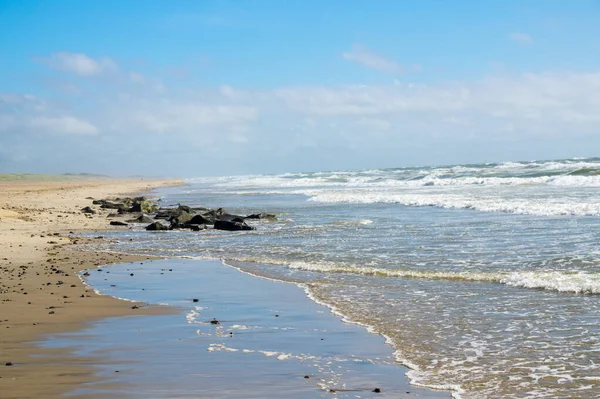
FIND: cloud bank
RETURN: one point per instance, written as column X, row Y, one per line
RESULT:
column 80, row 64
column 125, row 127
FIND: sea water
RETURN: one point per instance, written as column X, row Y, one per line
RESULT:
column 485, row 278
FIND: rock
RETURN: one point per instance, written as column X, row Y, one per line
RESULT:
column 117, row 223
column 168, row 213
column 215, row 321
column 262, row 216
column 228, row 216
column 181, row 218
column 89, row 210
column 112, row 205
column 229, row 225
column 141, row 204
column 195, row 300
column 162, row 214
column 141, row 219
column 212, row 215
column 199, row 219
column 377, row 390
column 156, row 226
column 197, row 227
column 8, row 364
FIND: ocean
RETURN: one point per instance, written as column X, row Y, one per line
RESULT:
column 485, row 278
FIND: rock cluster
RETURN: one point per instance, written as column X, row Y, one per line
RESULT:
column 180, row 217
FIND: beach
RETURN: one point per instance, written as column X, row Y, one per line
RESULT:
column 471, row 281
column 41, row 292
column 483, row 278
column 64, row 332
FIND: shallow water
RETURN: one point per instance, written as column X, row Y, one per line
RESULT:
column 485, row 277
column 270, row 342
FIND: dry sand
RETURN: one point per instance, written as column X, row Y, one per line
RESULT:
column 40, row 292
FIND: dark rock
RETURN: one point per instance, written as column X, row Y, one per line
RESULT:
column 8, row 364
column 112, row 205
column 377, row 390
column 195, row 300
column 156, row 226
column 200, row 219
column 89, row 210
column 117, row 223
column 142, row 204
column 135, row 307
column 262, row 216
column 215, row 321
column 141, row 219
column 228, row 216
column 212, row 215
column 181, row 218
column 162, row 214
column 232, row 226
column 196, row 227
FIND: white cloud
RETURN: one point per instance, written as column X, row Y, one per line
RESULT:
column 521, row 38
column 80, row 64
column 292, row 122
column 137, row 77
column 523, row 96
column 182, row 117
column 362, row 55
column 68, row 125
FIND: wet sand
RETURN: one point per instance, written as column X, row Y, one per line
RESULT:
column 233, row 336
column 40, row 292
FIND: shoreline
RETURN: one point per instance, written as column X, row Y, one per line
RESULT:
column 266, row 337
column 32, row 314
column 40, row 290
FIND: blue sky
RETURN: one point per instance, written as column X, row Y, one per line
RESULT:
column 192, row 88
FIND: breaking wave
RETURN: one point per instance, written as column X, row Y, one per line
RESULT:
column 573, row 282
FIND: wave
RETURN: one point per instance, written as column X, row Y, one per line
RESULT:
column 534, row 206
column 563, row 173
column 572, row 282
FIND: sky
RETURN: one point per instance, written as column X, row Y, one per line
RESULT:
column 209, row 88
